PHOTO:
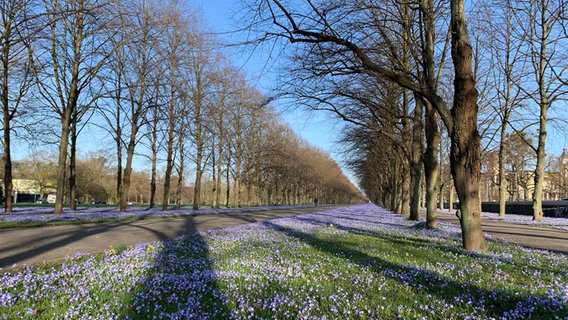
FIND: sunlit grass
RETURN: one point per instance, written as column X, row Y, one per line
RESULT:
column 348, row 263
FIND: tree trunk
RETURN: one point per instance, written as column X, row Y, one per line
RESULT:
column 62, row 165
column 179, row 190
column 431, row 164
column 154, row 170
column 169, row 159
column 465, row 154
column 538, row 214
column 7, row 158
column 198, row 175
column 218, row 182
column 154, row 148
column 72, row 165
column 128, row 170
column 502, row 177
column 416, row 162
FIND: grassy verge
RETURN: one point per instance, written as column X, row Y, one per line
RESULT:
column 347, row 263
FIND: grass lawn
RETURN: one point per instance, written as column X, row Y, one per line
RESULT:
column 356, row 262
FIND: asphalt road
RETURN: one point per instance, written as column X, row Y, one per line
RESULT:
column 539, row 237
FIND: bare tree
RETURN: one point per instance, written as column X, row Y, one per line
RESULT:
column 313, row 26
column 17, row 27
column 546, row 31
column 505, row 57
column 137, row 76
column 66, row 64
column 177, row 46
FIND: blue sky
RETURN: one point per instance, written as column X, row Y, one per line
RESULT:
column 319, row 129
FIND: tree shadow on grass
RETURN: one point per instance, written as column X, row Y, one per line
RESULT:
column 181, row 284
column 496, row 303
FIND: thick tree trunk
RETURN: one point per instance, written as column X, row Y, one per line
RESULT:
column 465, row 154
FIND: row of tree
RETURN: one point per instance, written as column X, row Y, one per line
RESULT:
column 384, row 66
column 147, row 76
column 279, row 168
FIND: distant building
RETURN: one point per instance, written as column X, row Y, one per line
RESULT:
column 520, row 183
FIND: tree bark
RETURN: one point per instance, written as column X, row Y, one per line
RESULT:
column 502, row 177
column 431, row 164
column 538, row 214
column 179, row 190
column 73, row 164
column 7, row 158
column 465, row 154
column 170, row 151
column 417, row 150
column 128, row 167
column 544, row 102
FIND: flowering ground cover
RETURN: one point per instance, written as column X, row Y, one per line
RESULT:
column 358, row 262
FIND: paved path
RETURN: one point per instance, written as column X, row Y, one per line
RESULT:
column 539, row 237
column 36, row 245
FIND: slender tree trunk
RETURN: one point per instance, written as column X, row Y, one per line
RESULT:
column 72, row 165
column 62, row 165
column 154, row 169
column 502, row 177
column 128, row 169
column 237, row 185
column 228, row 180
column 118, row 166
column 465, row 154
column 154, row 149
column 7, row 158
column 416, row 161
column 6, row 127
column 169, row 158
column 179, row 190
column 538, row 214
column 431, row 164
column 198, row 173
column 451, row 196
column 218, row 182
